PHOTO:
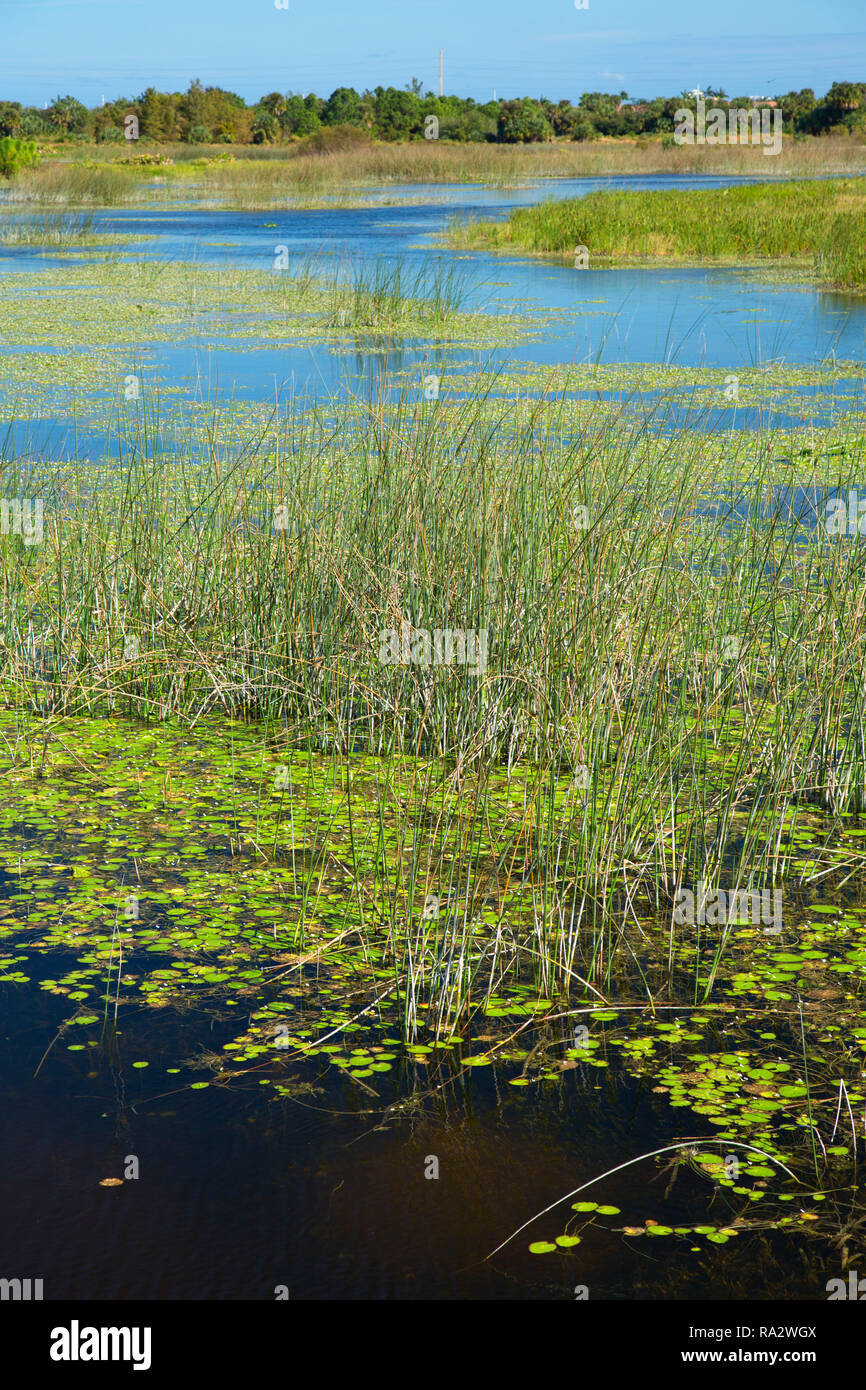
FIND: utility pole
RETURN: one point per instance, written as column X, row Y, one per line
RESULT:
column 441, row 88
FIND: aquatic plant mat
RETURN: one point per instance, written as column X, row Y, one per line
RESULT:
column 116, row 301
column 621, row 835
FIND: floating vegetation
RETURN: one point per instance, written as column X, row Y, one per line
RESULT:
column 139, row 302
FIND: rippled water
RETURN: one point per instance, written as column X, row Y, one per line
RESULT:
column 686, row 316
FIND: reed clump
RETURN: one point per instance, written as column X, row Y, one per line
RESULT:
column 820, row 224
column 682, row 676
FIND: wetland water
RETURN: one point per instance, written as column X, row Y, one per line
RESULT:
column 689, row 317
column 298, row 1153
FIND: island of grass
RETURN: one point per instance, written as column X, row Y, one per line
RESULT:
column 819, row 226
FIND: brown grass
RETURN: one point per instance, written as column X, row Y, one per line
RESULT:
column 266, row 176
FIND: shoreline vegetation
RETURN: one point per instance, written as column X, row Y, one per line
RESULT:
column 820, row 225
column 304, row 175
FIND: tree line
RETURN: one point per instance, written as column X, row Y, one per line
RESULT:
column 212, row 115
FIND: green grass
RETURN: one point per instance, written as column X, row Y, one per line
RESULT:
column 50, row 230
column 820, row 224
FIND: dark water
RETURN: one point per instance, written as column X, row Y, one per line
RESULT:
column 238, row 1194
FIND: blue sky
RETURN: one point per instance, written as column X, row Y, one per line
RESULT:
column 547, row 48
